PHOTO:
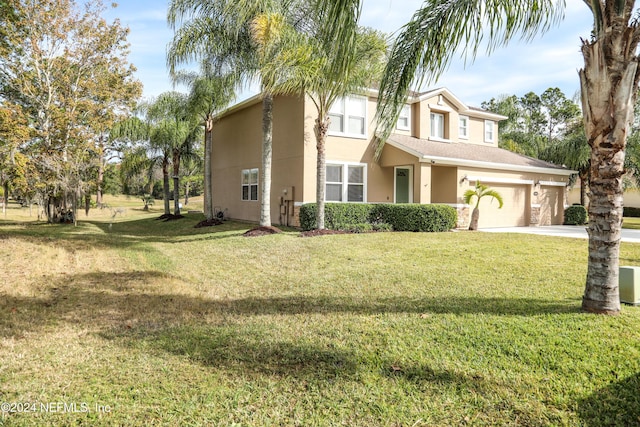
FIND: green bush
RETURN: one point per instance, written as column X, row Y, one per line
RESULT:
column 337, row 216
column 575, row 215
column 631, row 212
column 381, row 217
column 363, row 227
column 415, row 217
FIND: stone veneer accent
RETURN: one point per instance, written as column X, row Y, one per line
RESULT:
column 464, row 216
column 534, row 219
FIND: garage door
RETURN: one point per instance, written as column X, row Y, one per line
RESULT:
column 514, row 213
column 551, row 205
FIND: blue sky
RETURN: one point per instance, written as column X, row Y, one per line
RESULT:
column 550, row 60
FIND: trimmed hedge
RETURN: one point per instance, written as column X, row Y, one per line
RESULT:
column 631, row 212
column 337, row 216
column 575, row 215
column 401, row 217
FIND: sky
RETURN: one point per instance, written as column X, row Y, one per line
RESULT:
column 550, row 60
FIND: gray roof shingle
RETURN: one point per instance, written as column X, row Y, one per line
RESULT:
column 465, row 151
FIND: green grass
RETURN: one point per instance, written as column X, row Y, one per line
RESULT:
column 633, row 223
column 170, row 325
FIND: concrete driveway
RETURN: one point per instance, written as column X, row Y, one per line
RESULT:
column 575, row 231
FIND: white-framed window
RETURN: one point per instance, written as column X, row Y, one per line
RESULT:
column 404, row 120
column 463, row 127
column 345, row 182
column 250, row 184
column 489, row 131
column 348, row 117
column 437, row 125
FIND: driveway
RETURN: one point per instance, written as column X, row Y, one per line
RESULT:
column 575, row 231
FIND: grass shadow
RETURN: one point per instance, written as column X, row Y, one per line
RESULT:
column 617, row 404
column 256, row 351
column 97, row 299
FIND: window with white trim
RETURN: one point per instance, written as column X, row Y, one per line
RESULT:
column 250, row 184
column 404, row 120
column 463, row 127
column 437, row 125
column 489, row 131
column 345, row 183
column 348, row 116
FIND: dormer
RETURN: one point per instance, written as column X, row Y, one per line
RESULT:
column 438, row 115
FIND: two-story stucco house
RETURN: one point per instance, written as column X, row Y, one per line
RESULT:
column 440, row 149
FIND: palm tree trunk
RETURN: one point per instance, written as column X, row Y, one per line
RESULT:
column 165, row 186
column 608, row 97
column 475, row 216
column 100, row 178
column 584, row 182
column 321, row 129
column 208, row 191
column 176, row 184
column 267, row 142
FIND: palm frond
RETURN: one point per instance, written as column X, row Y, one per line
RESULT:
column 439, row 30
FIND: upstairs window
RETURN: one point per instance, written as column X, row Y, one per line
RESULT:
column 404, row 121
column 437, row 125
column 489, row 131
column 348, row 117
column 463, row 127
column 250, row 184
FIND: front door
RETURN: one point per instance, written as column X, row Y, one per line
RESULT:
column 403, row 185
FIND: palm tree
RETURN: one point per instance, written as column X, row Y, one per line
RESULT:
column 150, row 148
column 479, row 192
column 242, row 37
column 173, row 137
column 314, row 67
column 609, row 87
column 572, row 151
column 210, row 92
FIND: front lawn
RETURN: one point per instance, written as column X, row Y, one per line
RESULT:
column 140, row 322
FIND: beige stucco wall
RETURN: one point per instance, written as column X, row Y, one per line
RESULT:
column 440, row 104
column 237, row 145
column 444, row 184
column 631, row 196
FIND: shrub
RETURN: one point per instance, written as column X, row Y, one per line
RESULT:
column 363, row 227
column 337, row 216
column 415, row 217
column 575, row 215
column 382, row 217
column 631, row 212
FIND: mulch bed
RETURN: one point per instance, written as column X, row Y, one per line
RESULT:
column 208, row 223
column 323, row 232
column 262, row 231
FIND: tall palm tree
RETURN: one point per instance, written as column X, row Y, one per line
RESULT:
column 313, row 66
column 242, row 36
column 478, row 193
column 210, row 92
column 609, row 86
column 174, row 136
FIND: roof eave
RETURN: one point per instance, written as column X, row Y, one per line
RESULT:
column 450, row 161
column 492, row 165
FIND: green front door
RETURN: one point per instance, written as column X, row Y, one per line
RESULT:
column 402, row 185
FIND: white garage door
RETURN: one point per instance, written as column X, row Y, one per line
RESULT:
column 551, row 205
column 514, row 212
